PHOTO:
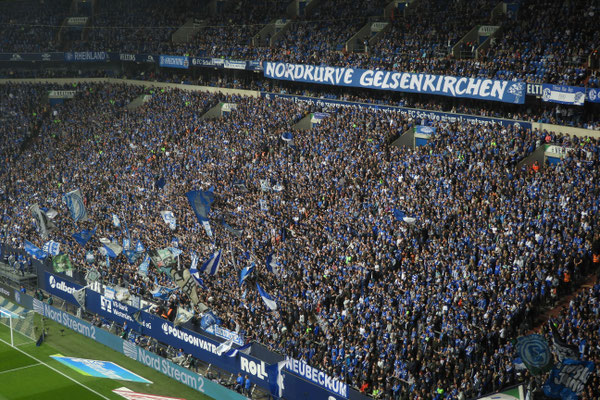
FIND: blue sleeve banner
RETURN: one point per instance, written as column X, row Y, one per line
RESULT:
column 174, row 61
column 474, row 88
column 414, row 113
column 563, row 94
column 568, row 379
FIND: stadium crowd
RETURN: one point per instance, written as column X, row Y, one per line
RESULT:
column 418, row 309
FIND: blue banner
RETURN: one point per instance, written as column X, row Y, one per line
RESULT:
column 60, row 287
column 563, row 94
column 425, row 130
column 174, row 61
column 568, row 379
column 317, row 377
column 593, row 95
column 474, row 88
column 234, row 64
column 86, row 56
column 254, row 65
column 406, row 112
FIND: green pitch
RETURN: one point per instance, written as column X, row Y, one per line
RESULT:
column 28, row 372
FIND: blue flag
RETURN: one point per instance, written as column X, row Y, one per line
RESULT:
column 276, row 378
column 84, row 236
column 75, row 205
column 269, row 302
column 143, row 268
column 568, row 379
column 246, row 271
column 34, row 251
column 535, row 353
column 243, row 349
column 52, row 247
column 161, row 292
column 209, row 319
column 401, row 216
column 211, row 266
column 272, row 265
column 200, row 201
column 195, row 273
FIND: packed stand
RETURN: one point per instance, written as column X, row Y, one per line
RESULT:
column 478, row 256
column 31, row 25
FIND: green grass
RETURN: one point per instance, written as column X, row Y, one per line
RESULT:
column 22, row 377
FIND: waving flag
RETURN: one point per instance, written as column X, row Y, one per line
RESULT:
column 269, row 302
column 169, row 219
column 75, row 205
column 84, row 236
column 233, row 352
column 535, row 353
column 116, row 221
column 401, row 216
column 207, row 229
column 34, row 251
column 51, row 247
column 161, row 292
column 183, row 316
column 184, row 280
column 200, row 201
column 113, row 249
column 209, row 319
column 272, row 265
column 246, row 271
column 561, row 348
column 235, row 232
column 223, row 347
column 195, row 273
column 61, row 263
column 143, row 268
column 211, row 266
column 42, row 222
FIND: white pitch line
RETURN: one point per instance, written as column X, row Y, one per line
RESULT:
column 18, row 369
column 57, row 371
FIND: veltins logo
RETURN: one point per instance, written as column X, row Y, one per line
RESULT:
column 62, row 286
column 165, row 328
column 130, row 349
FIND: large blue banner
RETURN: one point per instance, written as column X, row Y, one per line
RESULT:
column 568, row 379
column 573, row 95
column 174, row 61
column 435, row 116
column 60, row 287
column 86, row 56
column 474, row 88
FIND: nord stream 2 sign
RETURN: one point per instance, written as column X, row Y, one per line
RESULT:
column 474, row 88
